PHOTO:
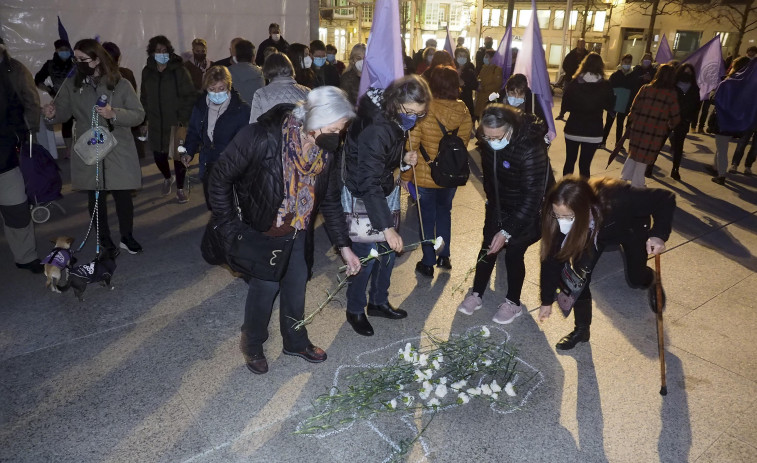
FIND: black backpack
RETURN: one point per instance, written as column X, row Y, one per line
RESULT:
column 450, row 167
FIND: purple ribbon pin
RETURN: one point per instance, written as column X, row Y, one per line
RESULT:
column 505, row 164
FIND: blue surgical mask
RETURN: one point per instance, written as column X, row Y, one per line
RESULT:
column 646, row 63
column 515, row 101
column 407, row 121
column 684, row 86
column 462, row 60
column 486, row 60
column 625, row 67
column 162, row 58
column 64, row 55
column 497, row 145
column 331, row 58
column 319, row 61
column 218, row 97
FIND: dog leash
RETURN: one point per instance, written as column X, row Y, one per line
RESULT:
column 95, row 213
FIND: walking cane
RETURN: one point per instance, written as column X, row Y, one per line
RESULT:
column 660, row 337
column 418, row 203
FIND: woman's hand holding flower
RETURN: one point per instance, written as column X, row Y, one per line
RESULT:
column 352, row 261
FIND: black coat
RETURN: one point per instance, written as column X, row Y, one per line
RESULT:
column 572, row 61
column 514, row 179
column 252, row 164
column 586, row 101
column 326, row 75
column 57, row 70
column 12, row 125
column 628, row 212
column 282, row 46
column 620, row 79
column 373, row 150
column 689, row 104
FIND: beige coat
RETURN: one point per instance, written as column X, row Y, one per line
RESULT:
column 489, row 80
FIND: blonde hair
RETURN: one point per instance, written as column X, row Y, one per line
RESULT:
column 216, row 74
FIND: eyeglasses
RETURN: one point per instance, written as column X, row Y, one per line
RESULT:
column 507, row 135
column 418, row 115
column 83, row 60
column 569, row 218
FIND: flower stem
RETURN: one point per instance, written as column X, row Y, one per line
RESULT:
column 329, row 297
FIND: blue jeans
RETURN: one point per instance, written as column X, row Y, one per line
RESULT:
column 436, row 209
column 378, row 271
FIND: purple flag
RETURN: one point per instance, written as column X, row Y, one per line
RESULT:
column 62, row 34
column 734, row 100
column 383, row 57
column 504, row 57
column 664, row 54
column 533, row 64
column 448, row 45
column 708, row 62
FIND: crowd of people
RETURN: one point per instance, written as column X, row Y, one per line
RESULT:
column 282, row 134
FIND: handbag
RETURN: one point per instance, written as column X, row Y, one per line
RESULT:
column 260, row 256
column 178, row 135
column 358, row 224
column 94, row 144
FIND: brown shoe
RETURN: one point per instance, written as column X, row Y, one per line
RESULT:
column 256, row 363
column 311, row 353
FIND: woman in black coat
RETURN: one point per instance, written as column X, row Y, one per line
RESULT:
column 216, row 118
column 283, row 169
column 516, row 174
column 374, row 149
column 689, row 104
column 586, row 97
column 583, row 216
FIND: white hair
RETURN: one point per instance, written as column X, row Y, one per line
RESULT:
column 324, row 106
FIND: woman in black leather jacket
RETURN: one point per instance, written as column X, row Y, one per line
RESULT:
column 282, row 169
column 374, row 148
column 516, row 174
column 580, row 218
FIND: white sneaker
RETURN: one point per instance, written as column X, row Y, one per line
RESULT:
column 470, row 304
column 167, row 183
column 507, row 312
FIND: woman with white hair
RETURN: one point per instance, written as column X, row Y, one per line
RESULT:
column 280, row 171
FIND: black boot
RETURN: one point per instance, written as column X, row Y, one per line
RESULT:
column 648, row 171
column 675, row 175
column 652, row 298
column 360, row 323
column 579, row 334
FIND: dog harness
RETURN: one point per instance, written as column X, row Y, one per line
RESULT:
column 59, row 257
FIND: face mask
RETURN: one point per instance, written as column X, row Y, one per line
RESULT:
column 684, row 86
column 162, row 58
column 565, row 225
column 462, row 60
column 359, row 65
column 276, row 37
column 328, row 141
column 200, row 58
column 64, row 55
column 218, row 97
column 307, row 62
column 407, row 121
column 234, row 58
column 331, row 58
column 687, row 78
column 486, row 60
column 646, row 63
column 497, row 145
column 319, row 61
column 625, row 67
column 84, row 69
column 514, row 101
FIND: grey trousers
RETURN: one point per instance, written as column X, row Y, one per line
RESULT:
column 17, row 220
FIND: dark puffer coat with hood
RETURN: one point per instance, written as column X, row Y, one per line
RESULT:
column 252, row 163
column 514, row 179
column 373, row 150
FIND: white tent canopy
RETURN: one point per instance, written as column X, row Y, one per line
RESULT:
column 29, row 27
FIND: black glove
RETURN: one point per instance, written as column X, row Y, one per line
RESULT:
column 571, row 284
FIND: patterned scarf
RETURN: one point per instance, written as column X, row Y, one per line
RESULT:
column 300, row 171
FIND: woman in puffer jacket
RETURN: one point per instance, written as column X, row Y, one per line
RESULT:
column 435, row 201
column 282, row 88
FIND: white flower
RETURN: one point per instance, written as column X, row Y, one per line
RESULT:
column 509, row 389
column 440, row 358
column 458, row 385
column 441, row 390
column 474, row 391
column 419, row 376
column 487, row 362
column 374, row 254
column 181, row 149
column 443, row 380
column 493, row 96
column 424, row 394
column 429, row 373
column 495, row 387
column 494, row 396
column 485, row 332
column 427, row 386
column 392, row 404
column 435, row 364
column 486, row 390
column 433, row 402
column 407, row 357
column 463, row 398
column 423, row 360
column 438, row 243
column 400, row 387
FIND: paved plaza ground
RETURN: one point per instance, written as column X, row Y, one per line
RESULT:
column 151, row 371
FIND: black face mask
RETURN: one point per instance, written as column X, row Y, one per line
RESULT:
column 84, row 69
column 686, row 78
column 328, row 141
column 200, row 57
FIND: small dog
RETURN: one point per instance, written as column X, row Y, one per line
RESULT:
column 100, row 270
column 59, row 260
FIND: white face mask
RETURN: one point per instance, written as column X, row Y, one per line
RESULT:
column 565, row 225
column 307, row 62
column 276, row 37
column 359, row 66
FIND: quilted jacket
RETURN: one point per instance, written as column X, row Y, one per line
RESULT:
column 453, row 114
column 252, row 165
column 279, row 90
column 514, row 179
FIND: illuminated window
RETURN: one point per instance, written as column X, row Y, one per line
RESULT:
column 573, row 20
column 524, row 18
column 495, row 17
column 340, row 42
column 431, row 17
column 323, row 34
column 485, row 17
column 559, row 19
column 367, row 13
column 599, row 21
column 543, row 17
